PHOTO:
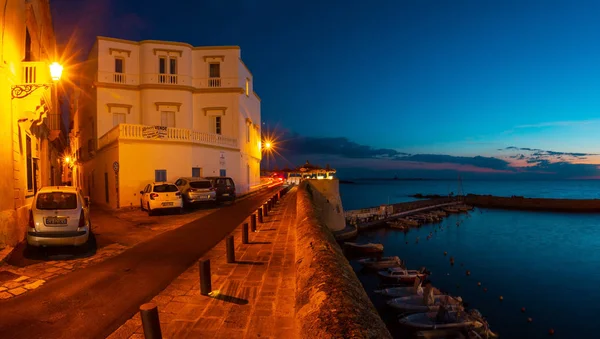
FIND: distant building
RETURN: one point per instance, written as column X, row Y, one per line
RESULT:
column 158, row 110
column 32, row 136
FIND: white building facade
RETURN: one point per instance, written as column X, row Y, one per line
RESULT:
column 158, row 110
column 31, row 131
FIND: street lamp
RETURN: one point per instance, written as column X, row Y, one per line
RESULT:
column 268, row 147
column 22, row 91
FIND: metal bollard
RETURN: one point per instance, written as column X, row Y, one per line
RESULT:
column 260, row 215
column 230, row 250
column 150, row 322
column 245, row 233
column 253, row 222
column 265, row 210
column 205, row 278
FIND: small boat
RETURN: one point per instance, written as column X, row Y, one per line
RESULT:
column 427, row 321
column 381, row 263
column 364, row 248
column 451, row 210
column 409, row 222
column 396, row 292
column 403, row 275
column 414, row 304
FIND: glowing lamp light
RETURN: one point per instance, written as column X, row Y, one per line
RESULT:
column 67, row 159
column 268, row 145
column 55, row 71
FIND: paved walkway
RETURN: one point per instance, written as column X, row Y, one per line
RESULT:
column 94, row 301
column 256, row 294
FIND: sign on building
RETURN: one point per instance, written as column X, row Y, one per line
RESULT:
column 154, row 132
column 222, row 158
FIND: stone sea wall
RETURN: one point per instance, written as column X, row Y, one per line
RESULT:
column 534, row 204
column 330, row 300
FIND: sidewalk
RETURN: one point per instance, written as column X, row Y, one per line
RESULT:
column 254, row 297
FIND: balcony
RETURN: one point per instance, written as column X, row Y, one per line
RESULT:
column 169, row 79
column 164, row 134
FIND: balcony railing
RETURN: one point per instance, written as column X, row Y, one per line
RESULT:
column 119, row 78
column 161, row 133
column 169, row 79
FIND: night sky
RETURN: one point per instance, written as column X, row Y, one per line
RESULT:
column 423, row 88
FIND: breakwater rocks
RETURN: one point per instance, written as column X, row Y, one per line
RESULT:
column 534, row 204
column 330, row 300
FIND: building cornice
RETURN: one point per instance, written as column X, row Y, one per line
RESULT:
column 175, row 51
column 172, row 43
column 235, row 90
column 177, row 104
column 222, row 109
column 119, row 50
column 256, row 95
column 113, row 105
column 218, row 57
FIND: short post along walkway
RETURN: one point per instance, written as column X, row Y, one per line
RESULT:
column 256, row 294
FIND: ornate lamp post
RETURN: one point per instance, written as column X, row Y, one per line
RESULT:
column 22, row 91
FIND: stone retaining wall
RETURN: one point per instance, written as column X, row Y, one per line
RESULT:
column 534, row 204
column 330, row 300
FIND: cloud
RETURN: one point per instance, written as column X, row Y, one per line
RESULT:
column 521, row 162
column 560, row 123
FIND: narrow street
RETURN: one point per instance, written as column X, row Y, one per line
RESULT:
column 94, row 301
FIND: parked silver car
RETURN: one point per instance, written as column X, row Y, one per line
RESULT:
column 195, row 190
column 59, row 215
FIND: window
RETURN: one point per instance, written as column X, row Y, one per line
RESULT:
column 247, row 132
column 222, row 172
column 29, row 158
column 162, row 65
column 56, row 201
column 167, row 119
column 165, row 188
column 173, row 66
column 196, row 172
column 118, row 118
column 118, row 65
column 201, row 184
column 160, row 175
column 247, row 87
column 27, row 45
column 217, row 125
column 214, row 70
column 167, row 69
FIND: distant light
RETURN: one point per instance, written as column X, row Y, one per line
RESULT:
column 67, row 159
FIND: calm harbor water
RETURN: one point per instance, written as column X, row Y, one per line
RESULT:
column 365, row 193
column 546, row 262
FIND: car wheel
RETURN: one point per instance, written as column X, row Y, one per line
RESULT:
column 150, row 212
column 141, row 205
column 180, row 211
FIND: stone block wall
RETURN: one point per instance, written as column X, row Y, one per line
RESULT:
column 330, row 300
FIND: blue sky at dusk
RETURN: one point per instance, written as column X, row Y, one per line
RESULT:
column 506, row 88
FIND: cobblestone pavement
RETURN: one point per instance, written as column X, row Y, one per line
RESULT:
column 254, row 297
column 114, row 232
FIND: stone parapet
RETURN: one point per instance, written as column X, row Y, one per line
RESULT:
column 330, row 300
column 534, row 204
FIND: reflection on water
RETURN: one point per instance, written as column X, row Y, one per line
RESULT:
column 547, row 263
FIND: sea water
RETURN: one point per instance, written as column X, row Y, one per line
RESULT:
column 546, row 263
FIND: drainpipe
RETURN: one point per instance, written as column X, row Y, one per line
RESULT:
column 3, row 28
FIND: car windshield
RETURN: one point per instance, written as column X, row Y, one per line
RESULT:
column 56, row 201
column 165, row 188
column 200, row 184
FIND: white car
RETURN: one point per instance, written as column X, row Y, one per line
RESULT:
column 59, row 215
column 161, row 195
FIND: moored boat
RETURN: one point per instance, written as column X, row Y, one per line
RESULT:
column 428, row 321
column 403, row 275
column 364, row 248
column 414, row 303
column 396, row 292
column 381, row 263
